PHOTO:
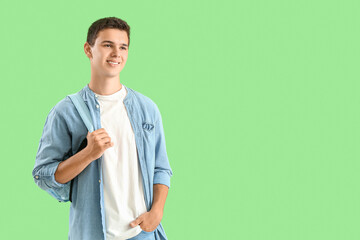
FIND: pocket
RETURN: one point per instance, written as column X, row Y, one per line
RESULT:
column 148, row 132
column 147, row 126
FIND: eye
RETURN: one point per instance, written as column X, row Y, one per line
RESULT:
column 123, row 48
column 107, row 45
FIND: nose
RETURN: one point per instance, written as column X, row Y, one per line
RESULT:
column 116, row 52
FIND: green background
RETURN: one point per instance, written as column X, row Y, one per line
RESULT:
column 260, row 106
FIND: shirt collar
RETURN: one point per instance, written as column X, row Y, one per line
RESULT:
column 87, row 93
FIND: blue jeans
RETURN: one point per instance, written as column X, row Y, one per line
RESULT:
column 144, row 236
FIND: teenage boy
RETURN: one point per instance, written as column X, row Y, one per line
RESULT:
column 117, row 177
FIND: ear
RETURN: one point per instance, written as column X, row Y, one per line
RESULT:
column 87, row 50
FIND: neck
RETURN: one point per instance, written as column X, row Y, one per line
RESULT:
column 103, row 86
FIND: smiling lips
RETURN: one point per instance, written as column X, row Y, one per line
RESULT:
column 112, row 63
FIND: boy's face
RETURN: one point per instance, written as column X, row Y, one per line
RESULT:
column 110, row 45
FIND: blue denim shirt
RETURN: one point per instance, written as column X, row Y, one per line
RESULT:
column 62, row 135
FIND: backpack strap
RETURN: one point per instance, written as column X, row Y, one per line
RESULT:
column 83, row 110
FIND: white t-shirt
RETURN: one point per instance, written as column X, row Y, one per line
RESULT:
column 123, row 187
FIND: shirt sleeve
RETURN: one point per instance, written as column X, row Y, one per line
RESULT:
column 54, row 147
column 163, row 171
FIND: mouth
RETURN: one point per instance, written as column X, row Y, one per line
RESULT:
column 113, row 64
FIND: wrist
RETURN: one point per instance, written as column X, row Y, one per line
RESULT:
column 157, row 209
column 87, row 155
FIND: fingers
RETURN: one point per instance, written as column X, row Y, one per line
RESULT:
column 97, row 131
column 138, row 221
column 101, row 137
column 106, row 142
column 100, row 134
column 100, row 130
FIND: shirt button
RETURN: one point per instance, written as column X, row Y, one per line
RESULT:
column 96, row 95
column 99, row 181
column 37, row 177
column 97, row 105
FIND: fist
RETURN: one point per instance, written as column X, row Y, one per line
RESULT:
column 97, row 142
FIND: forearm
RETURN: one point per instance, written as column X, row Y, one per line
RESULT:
column 73, row 166
column 160, row 194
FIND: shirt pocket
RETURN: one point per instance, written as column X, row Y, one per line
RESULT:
column 148, row 126
column 148, row 129
column 148, row 132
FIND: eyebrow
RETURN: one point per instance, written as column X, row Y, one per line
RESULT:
column 113, row 42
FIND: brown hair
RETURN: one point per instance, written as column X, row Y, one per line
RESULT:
column 103, row 23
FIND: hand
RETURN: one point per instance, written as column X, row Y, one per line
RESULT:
column 97, row 142
column 148, row 221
